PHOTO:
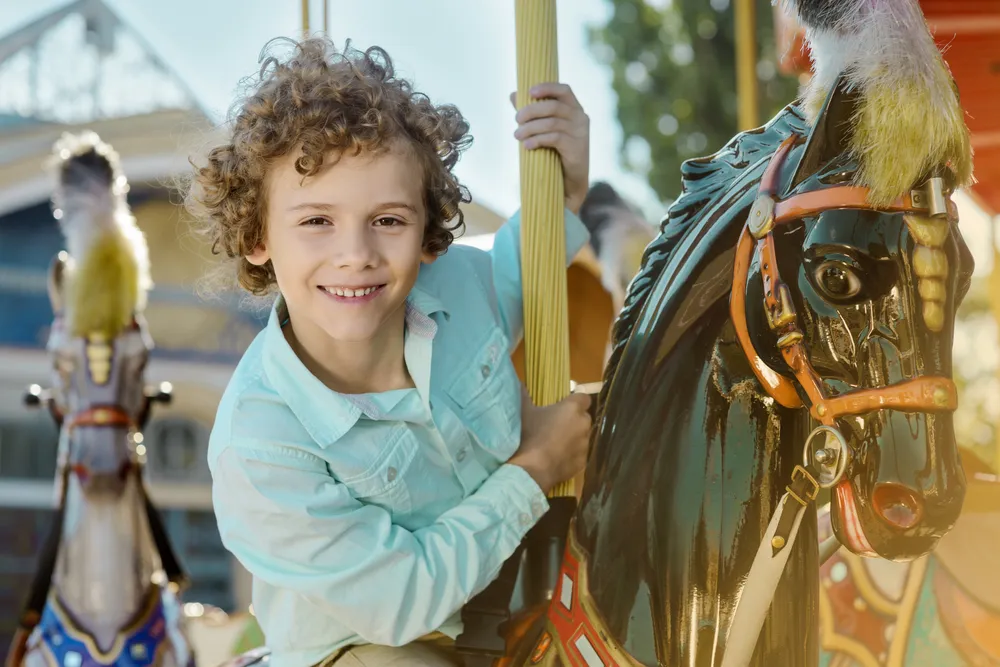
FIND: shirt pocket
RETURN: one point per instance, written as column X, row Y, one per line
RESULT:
column 382, row 478
column 487, row 392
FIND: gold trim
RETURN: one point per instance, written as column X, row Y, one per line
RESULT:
column 831, row 641
column 50, row 659
column 582, row 593
column 106, row 657
column 869, row 591
column 911, row 595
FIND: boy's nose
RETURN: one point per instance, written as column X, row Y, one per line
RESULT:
column 356, row 249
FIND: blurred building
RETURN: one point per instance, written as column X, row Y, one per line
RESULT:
column 79, row 68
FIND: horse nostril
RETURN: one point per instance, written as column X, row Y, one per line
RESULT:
column 897, row 505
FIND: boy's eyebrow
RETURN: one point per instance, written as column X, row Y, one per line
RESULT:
column 326, row 207
column 396, row 204
column 310, row 205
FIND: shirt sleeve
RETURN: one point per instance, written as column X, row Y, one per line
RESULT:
column 294, row 526
column 506, row 269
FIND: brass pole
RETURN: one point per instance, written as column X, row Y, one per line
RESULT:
column 746, row 63
column 305, row 18
column 543, row 245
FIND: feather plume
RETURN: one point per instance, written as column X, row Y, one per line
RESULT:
column 108, row 276
column 908, row 121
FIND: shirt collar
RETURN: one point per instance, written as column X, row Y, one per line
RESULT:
column 327, row 415
column 324, row 413
column 425, row 302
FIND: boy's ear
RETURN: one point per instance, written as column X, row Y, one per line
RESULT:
column 428, row 257
column 259, row 256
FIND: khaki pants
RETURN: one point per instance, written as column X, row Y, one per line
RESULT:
column 417, row 654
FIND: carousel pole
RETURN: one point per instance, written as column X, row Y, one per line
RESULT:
column 746, row 64
column 305, row 18
column 484, row 639
column 543, row 229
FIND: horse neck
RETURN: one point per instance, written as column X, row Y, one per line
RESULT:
column 679, row 494
column 106, row 560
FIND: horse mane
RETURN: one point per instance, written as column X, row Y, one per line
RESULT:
column 107, row 273
column 704, row 181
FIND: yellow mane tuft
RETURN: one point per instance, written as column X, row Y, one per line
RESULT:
column 104, row 289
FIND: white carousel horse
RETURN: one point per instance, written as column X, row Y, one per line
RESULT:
column 105, row 592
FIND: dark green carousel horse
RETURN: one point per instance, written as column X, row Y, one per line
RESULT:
column 791, row 329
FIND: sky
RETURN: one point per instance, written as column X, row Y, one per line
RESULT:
column 456, row 51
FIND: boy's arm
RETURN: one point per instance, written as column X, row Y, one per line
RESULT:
column 506, row 270
column 291, row 525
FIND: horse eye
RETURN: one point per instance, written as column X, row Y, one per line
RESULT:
column 837, row 281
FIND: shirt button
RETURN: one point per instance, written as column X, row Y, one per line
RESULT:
column 461, row 454
column 525, row 520
column 486, row 371
column 391, row 474
column 536, row 507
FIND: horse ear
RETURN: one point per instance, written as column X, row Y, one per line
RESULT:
column 832, row 131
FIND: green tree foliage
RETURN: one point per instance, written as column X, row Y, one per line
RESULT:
column 674, row 74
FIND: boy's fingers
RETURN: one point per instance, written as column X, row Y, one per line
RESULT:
column 548, row 140
column 542, row 126
column 513, row 99
column 544, row 109
column 559, row 91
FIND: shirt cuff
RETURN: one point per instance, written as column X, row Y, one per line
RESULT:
column 516, row 497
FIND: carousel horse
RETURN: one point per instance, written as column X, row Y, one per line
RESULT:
column 105, row 590
column 942, row 610
column 790, row 331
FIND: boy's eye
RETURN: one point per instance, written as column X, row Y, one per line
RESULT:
column 315, row 221
column 388, row 222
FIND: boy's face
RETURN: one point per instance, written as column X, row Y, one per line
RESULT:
column 346, row 244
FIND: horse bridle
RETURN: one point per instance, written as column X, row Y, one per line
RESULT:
column 921, row 394
column 822, row 465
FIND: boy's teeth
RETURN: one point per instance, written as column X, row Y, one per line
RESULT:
column 340, row 291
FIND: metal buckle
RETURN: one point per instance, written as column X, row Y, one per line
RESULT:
column 761, row 220
column 830, row 459
column 931, row 196
column 786, row 311
column 810, row 493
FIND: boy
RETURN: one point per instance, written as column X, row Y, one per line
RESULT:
column 372, row 466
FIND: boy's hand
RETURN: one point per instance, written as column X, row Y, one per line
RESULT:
column 558, row 121
column 554, row 439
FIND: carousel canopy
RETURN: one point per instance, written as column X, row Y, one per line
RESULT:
column 968, row 32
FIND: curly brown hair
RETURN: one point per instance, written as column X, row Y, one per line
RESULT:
column 324, row 102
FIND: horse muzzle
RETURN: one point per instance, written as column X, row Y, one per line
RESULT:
column 905, row 489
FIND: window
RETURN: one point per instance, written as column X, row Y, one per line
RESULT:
column 28, row 446
column 176, row 450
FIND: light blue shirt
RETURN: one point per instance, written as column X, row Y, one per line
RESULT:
column 373, row 518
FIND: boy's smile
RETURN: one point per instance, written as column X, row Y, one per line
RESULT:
column 346, row 246
column 352, row 294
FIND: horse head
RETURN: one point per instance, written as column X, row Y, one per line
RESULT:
column 855, row 267
column 98, row 290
